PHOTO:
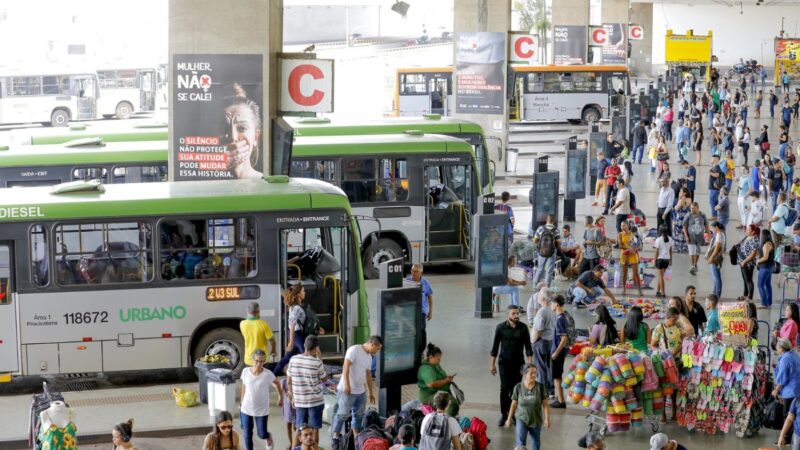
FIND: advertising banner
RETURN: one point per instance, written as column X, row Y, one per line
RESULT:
column 480, row 61
column 733, row 319
column 787, row 49
column 615, row 44
column 569, row 44
column 217, row 131
column 688, row 49
column 523, row 48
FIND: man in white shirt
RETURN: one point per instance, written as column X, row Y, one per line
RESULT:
column 757, row 208
column 351, row 393
column 777, row 223
column 666, row 198
column 622, row 207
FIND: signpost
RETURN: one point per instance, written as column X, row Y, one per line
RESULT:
column 523, row 48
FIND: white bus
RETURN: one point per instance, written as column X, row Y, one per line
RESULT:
column 566, row 93
column 50, row 97
column 124, row 92
column 420, row 91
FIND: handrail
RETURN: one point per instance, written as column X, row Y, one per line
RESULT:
column 299, row 272
column 336, row 303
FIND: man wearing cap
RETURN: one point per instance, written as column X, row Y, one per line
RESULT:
column 661, row 441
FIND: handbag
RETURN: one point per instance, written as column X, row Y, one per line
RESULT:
column 662, row 156
column 457, row 393
column 765, row 146
column 733, row 253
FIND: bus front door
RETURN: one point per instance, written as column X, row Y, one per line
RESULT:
column 9, row 360
column 86, row 88
column 437, row 88
column 146, row 80
column 447, row 217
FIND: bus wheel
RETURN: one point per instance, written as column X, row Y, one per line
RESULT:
column 221, row 341
column 124, row 110
column 59, row 118
column 590, row 115
column 387, row 250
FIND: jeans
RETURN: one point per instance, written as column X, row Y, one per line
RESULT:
column 772, row 110
column 580, row 296
column 296, row 350
column 713, row 200
column 621, row 218
column 522, row 435
column 782, row 151
column 545, row 269
column 745, row 147
column 510, row 376
column 541, row 358
column 611, row 192
column 744, row 116
column 668, row 131
column 765, row 285
column 513, row 291
column 773, row 196
column 247, row 428
column 716, row 276
column 350, row 407
column 638, row 149
column 747, row 278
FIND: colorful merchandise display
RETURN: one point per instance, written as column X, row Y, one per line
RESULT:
column 722, row 386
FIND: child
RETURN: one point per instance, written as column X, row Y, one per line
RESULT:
column 406, row 436
column 712, row 314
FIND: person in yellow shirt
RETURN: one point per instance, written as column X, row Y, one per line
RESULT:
column 731, row 165
column 795, row 193
column 257, row 334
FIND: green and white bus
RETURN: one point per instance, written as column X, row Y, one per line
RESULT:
column 153, row 276
column 117, row 162
column 112, row 132
column 417, row 194
column 429, row 124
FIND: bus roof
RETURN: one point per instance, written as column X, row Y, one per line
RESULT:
column 554, row 68
column 172, row 198
column 109, row 133
column 427, row 124
column 112, row 153
column 378, row 144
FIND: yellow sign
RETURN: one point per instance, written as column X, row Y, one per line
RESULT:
column 683, row 48
column 733, row 318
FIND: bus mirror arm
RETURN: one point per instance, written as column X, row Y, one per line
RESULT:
column 373, row 237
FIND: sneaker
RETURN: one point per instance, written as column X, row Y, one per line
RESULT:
column 693, row 270
column 334, row 442
column 558, row 405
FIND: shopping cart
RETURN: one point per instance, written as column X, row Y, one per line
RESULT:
column 787, row 278
column 597, row 419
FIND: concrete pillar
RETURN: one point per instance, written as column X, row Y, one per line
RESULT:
column 641, row 60
column 571, row 12
column 614, row 11
column 252, row 27
column 494, row 16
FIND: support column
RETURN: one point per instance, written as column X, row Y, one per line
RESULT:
column 571, row 12
column 494, row 16
column 252, row 27
column 641, row 61
column 615, row 11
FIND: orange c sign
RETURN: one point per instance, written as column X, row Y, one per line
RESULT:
column 637, row 32
column 306, row 85
column 599, row 36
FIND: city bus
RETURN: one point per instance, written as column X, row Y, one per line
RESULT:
column 118, row 162
column 53, row 97
column 415, row 194
column 154, row 276
column 566, row 93
column 124, row 92
column 108, row 132
column 428, row 124
column 421, row 91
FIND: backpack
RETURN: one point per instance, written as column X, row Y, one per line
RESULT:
column 311, row 324
column 413, row 418
column 791, row 216
column 547, row 243
column 436, row 435
column 632, row 200
column 723, row 166
column 348, row 441
column 372, row 438
column 572, row 333
column 371, row 419
column 478, row 430
column 467, row 441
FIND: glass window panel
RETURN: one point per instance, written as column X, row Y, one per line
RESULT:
column 40, row 270
column 140, row 174
column 413, row 83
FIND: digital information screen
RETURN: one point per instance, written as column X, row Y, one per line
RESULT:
column 224, row 293
column 576, row 174
column 492, row 242
column 544, row 196
column 399, row 324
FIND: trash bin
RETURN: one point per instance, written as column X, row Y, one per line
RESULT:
column 511, row 159
column 221, row 390
column 202, row 376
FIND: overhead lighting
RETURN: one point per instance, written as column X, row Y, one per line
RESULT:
column 400, row 7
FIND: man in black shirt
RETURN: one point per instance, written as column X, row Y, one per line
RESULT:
column 511, row 346
column 697, row 315
column 775, row 177
column 639, row 141
column 612, row 148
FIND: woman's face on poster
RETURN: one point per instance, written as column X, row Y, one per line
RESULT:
column 241, row 125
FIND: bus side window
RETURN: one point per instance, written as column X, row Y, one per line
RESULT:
column 138, row 174
column 393, row 183
column 318, row 170
column 552, row 82
column 413, row 83
column 40, row 273
column 359, row 180
column 104, row 253
column 90, row 173
column 535, row 82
